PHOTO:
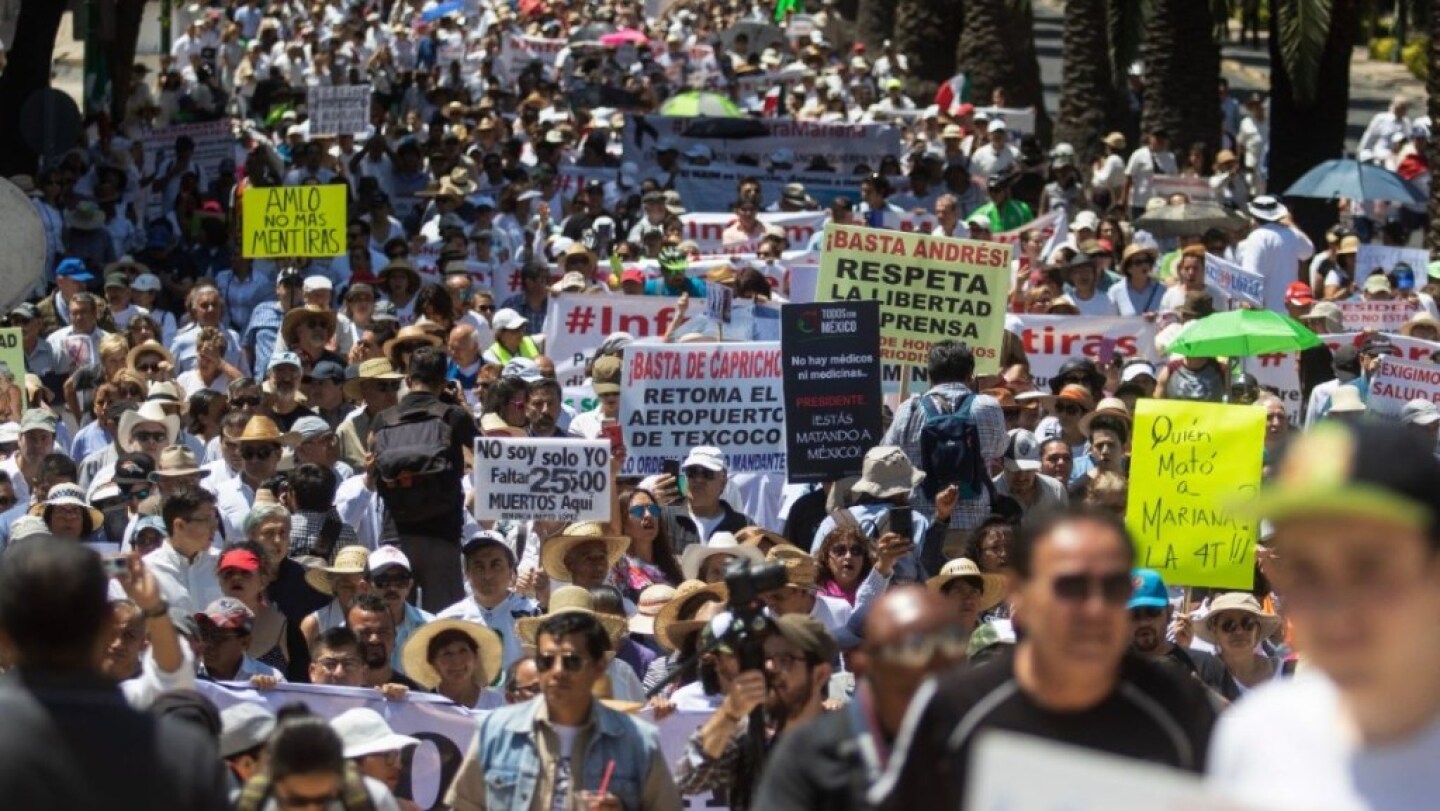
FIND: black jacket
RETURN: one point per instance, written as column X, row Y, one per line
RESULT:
column 683, row 531
column 71, row 741
column 819, row 764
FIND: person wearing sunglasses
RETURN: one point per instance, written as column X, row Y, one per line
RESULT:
column 560, row 746
column 1240, row 629
column 522, row 680
column 1069, row 680
column 306, row 769
column 650, row 559
column 1152, row 623
column 392, row 579
column 261, row 444
column 704, row 510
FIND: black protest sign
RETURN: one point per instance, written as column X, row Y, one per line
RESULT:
column 832, row 387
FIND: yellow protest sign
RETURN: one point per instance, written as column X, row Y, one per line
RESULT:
column 12, row 360
column 293, row 221
column 1189, row 461
column 929, row 289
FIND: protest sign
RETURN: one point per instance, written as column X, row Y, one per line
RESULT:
column 1188, row 463
column 841, row 146
column 674, row 731
column 1018, row 120
column 1280, row 371
column 445, row 730
column 707, row 229
column 1236, row 282
column 832, row 387
column 12, row 359
column 1196, row 189
column 542, row 480
column 712, row 188
column 931, row 289
column 1376, row 316
column 1385, row 258
column 1410, row 348
column 293, row 221
column 677, row 396
column 517, row 51
column 1397, row 382
column 214, row 141
column 718, row 302
column 338, row 109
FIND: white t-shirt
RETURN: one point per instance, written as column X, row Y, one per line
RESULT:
column 1144, row 165
column 1317, row 767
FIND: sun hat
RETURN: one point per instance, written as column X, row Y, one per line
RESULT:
column 1236, row 601
column 149, row 411
column 349, row 560
column 175, row 461
column 1132, row 250
column 605, row 375
column 410, row 334
column 364, row 732
column 400, row 266
column 692, row 560
column 489, row 650
column 1267, row 208
column 1327, row 311
column 1078, row 394
column 652, row 599
column 887, row 472
column 372, row 369
column 1419, row 319
column 244, row 726
column 572, row 282
column 1147, row 590
column 149, row 348
column 675, row 620
column 992, row 586
column 1112, row 407
column 553, row 550
column 66, row 494
column 1346, row 400
column 261, row 428
column 571, row 600
column 301, row 315
column 801, row 569
column 754, row 536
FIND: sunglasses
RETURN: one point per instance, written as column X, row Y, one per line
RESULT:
column 262, row 452
column 391, row 581
column 642, row 510
column 1242, row 624
column 1069, row 408
column 245, row 402
column 148, row 436
column 919, row 650
column 848, row 551
column 1147, row 613
column 700, row 473
column 138, row 492
column 1114, row 588
column 147, row 367
column 485, row 308
column 570, row 662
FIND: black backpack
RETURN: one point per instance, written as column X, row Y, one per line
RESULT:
column 413, row 470
column 950, row 448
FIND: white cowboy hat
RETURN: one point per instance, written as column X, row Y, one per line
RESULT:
column 692, row 560
column 150, row 411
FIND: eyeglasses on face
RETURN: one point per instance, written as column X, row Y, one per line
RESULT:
column 783, row 661
column 847, row 551
column 1229, row 626
column 261, row 452
column 148, row 436
column 570, row 662
column 391, row 581
column 245, row 402
column 147, row 368
column 1114, row 588
column 642, row 510
column 701, row 473
column 333, row 663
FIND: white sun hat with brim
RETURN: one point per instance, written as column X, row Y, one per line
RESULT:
column 721, row 543
column 363, row 732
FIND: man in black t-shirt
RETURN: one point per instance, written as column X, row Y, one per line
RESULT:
column 1069, row 679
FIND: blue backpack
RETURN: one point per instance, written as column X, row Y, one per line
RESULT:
column 950, row 449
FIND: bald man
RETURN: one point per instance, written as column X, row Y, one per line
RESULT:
column 829, row 762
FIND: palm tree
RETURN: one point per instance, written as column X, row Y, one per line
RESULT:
column 874, row 22
column 1089, row 96
column 27, row 69
column 1182, row 73
column 997, row 49
column 925, row 31
column 1432, row 90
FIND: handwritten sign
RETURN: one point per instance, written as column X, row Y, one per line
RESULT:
column 929, row 289
column 12, row 359
column 1189, row 460
column 542, row 480
column 1237, row 282
column 1377, row 316
column 339, row 109
column 1397, row 382
column 293, row 221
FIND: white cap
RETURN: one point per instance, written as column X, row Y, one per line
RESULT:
column 9, row 432
column 318, row 282
column 1416, row 412
column 508, row 319
column 1023, row 452
column 996, row 125
column 284, row 359
column 707, row 457
column 364, row 732
column 146, row 283
column 387, row 556
column 1134, row 370
column 1085, row 219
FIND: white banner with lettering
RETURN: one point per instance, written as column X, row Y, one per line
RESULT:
column 1398, row 382
column 707, row 230
column 842, row 146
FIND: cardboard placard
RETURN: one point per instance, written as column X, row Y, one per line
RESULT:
column 339, row 109
column 542, row 480
column 283, row 221
column 832, row 387
column 12, row 360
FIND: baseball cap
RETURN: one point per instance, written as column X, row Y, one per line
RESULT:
column 1378, row 345
column 387, row 556
column 1299, row 294
column 1378, row 283
column 227, row 614
column 808, row 634
column 25, row 310
column 1370, row 470
column 73, row 269
column 605, row 375
column 242, row 559
column 145, row 283
column 318, row 282
column 486, row 539
column 1023, row 451
column 1137, row 369
column 708, row 457
column 508, row 319
column 328, row 370
column 116, row 280
column 244, row 726
column 1148, row 590
column 37, row 419
column 134, row 468
column 311, row 427
column 1420, row 412
column 283, row 359
column 523, row 368
column 633, row 275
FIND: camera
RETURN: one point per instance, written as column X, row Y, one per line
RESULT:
column 746, row 582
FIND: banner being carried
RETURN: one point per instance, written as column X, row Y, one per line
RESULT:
column 841, row 146
column 1398, row 382
column 707, row 230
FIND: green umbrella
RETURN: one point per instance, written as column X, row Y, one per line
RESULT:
column 699, row 102
column 1242, row 334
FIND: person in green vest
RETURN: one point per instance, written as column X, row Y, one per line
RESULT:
column 1004, row 213
column 511, row 340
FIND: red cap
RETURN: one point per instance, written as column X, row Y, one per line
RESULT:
column 242, row 559
column 1299, row 294
column 858, row 48
column 633, row 275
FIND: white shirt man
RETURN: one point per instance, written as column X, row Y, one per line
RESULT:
column 1145, row 163
column 1273, row 249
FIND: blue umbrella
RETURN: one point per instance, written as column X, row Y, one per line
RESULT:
column 1353, row 180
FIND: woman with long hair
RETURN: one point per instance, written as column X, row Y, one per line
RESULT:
column 650, row 560
column 207, row 408
column 846, row 558
column 989, row 545
column 1237, row 625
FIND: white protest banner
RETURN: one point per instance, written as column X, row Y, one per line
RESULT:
column 339, row 109
column 1018, row 120
column 1196, row 189
column 707, row 229
column 1371, row 258
column 1376, row 316
column 577, row 323
column 517, row 51
column 675, row 731
column 1400, row 381
column 542, row 480
column 444, row 729
column 712, row 188
column 842, row 146
column 913, row 221
column 214, row 142
column 1280, row 371
column 1410, row 348
column 677, row 396
column 1237, row 282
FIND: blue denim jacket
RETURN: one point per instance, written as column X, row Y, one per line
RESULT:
column 508, row 750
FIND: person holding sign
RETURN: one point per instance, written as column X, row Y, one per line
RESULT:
column 1357, row 532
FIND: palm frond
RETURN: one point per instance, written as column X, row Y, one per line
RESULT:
column 1127, row 31
column 1304, row 28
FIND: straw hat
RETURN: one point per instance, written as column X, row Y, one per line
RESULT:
column 1109, row 407
column 178, row 460
column 149, row 348
column 299, row 315
column 652, row 599
column 349, row 560
column 1132, row 250
column 554, row 550
column 886, row 473
column 1236, row 601
column 261, row 428
column 150, row 411
column 801, row 570
column 490, row 651
column 992, row 586
column 675, row 620
column 372, row 369
column 69, row 495
column 755, row 536
column 692, row 560
column 413, row 333
column 401, row 266
column 1346, row 400
column 1420, row 319
column 492, row 424
column 571, row 600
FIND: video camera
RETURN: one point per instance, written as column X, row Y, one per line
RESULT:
column 746, row 582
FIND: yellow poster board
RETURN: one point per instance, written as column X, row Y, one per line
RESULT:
column 285, row 221
column 12, row 358
column 1189, row 462
column 929, row 289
